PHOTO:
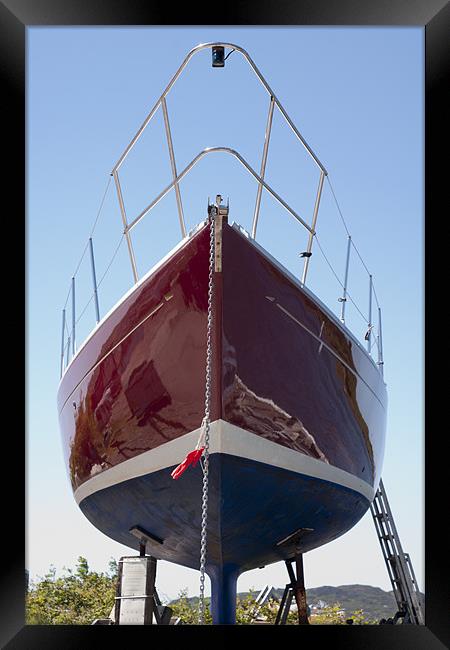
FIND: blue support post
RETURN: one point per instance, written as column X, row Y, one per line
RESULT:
column 223, row 593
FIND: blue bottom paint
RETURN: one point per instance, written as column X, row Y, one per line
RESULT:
column 223, row 593
column 251, row 507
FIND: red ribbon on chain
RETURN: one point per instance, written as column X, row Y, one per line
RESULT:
column 191, row 459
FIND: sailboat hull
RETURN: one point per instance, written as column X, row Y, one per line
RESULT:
column 298, row 414
column 252, row 507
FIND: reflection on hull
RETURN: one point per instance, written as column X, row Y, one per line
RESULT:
column 285, row 372
column 260, row 414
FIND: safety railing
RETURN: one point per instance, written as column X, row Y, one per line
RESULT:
column 68, row 343
column 372, row 317
column 176, row 178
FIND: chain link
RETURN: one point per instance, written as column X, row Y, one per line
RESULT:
column 206, row 420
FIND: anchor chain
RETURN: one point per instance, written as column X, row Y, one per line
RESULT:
column 206, row 420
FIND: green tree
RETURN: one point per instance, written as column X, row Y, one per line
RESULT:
column 188, row 612
column 76, row 598
column 247, row 612
column 82, row 595
column 334, row 615
column 246, row 609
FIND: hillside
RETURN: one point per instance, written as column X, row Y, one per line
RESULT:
column 375, row 602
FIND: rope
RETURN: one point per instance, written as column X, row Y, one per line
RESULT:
column 206, row 423
column 67, row 298
column 327, row 261
column 337, row 278
column 90, row 299
column 362, row 261
column 84, row 309
column 101, row 205
column 101, row 279
column 348, row 233
column 337, row 205
column 91, row 233
column 112, row 260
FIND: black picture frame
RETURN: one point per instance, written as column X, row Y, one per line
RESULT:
column 15, row 17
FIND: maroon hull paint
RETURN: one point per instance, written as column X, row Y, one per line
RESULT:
column 139, row 381
column 280, row 382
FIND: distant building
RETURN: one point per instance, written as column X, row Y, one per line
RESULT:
column 318, row 607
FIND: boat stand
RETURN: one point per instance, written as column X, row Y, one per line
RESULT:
column 137, row 601
column 404, row 584
column 295, row 588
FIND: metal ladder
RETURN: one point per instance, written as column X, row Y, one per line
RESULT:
column 398, row 563
column 261, row 598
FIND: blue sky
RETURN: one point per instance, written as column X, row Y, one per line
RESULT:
column 356, row 95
